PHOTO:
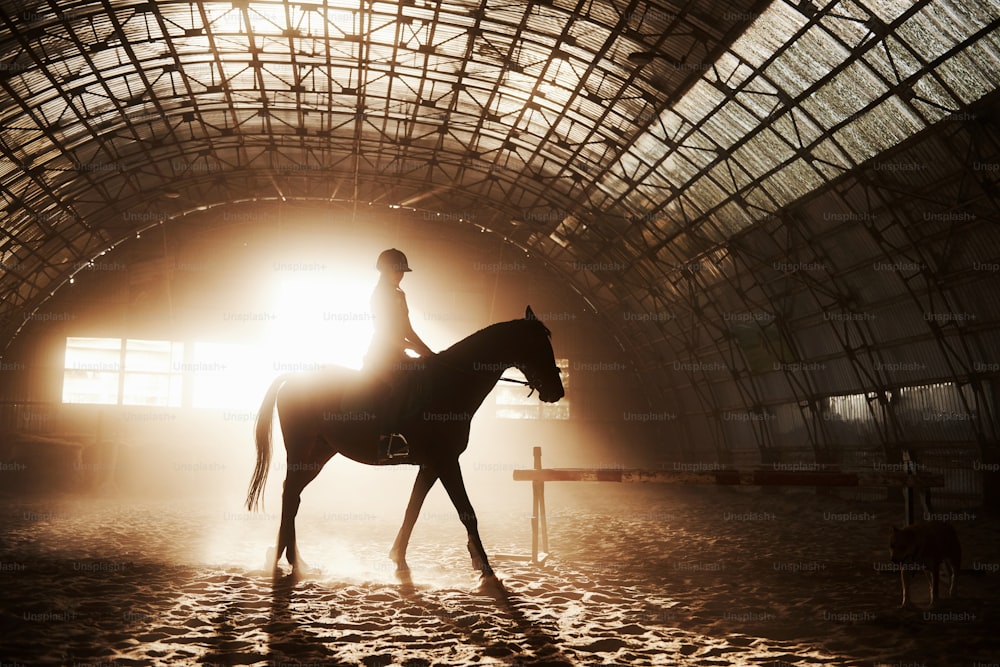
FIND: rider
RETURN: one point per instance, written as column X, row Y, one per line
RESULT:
column 386, row 356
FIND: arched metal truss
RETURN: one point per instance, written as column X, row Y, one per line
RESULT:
column 773, row 205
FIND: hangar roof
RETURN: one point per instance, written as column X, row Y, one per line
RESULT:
column 682, row 140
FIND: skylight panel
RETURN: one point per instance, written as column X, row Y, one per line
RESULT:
column 965, row 77
column 730, row 123
column 731, row 218
column 931, row 99
column 847, row 23
column 848, row 93
column 702, row 99
column 888, row 124
column 797, row 127
column 732, row 174
column 892, row 60
column 813, row 55
column 887, row 11
column 854, row 144
column 931, row 34
column 796, row 179
column 774, row 28
column 729, row 71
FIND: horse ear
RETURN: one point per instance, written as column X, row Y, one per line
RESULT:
column 529, row 314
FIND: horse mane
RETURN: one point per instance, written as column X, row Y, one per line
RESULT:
column 490, row 337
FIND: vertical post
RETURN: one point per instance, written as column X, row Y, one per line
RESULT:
column 542, row 521
column 538, row 510
column 925, row 497
column 534, row 539
column 909, row 465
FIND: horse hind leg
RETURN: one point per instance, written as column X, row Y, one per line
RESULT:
column 423, row 483
column 301, row 470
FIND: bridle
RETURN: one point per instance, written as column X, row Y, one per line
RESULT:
column 531, row 383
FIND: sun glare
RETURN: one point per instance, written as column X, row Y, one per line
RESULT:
column 315, row 319
column 312, row 318
column 320, row 320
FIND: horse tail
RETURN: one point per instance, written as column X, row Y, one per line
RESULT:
column 262, row 430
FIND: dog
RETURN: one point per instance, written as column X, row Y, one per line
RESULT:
column 926, row 546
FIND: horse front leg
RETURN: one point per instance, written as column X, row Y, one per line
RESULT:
column 426, row 478
column 451, row 477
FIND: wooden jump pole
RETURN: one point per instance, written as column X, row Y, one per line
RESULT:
column 909, row 480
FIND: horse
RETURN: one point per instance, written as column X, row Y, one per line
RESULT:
column 322, row 413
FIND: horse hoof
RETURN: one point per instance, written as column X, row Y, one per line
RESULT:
column 399, row 559
column 301, row 570
column 405, row 580
column 490, row 585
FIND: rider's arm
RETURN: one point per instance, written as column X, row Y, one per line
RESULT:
column 410, row 336
column 419, row 346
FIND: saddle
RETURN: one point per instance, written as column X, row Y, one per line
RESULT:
column 370, row 398
column 362, row 399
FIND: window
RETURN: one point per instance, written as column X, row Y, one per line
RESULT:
column 152, row 373
column 93, row 370
column 110, row 371
column 513, row 401
column 160, row 373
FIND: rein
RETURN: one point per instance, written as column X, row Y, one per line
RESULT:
column 502, row 379
column 522, row 382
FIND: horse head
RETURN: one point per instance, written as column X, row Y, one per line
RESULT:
column 539, row 362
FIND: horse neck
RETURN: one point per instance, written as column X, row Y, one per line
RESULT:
column 485, row 355
column 494, row 347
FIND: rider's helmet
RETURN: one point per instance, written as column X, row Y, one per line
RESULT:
column 392, row 260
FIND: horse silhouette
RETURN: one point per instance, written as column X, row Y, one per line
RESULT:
column 332, row 411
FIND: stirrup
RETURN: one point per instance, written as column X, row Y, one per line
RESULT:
column 394, row 439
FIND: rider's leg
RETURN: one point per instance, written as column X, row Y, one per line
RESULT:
column 390, row 439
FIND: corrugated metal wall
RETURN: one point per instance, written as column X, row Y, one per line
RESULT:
column 856, row 324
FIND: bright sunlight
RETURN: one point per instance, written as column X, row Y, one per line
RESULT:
column 320, row 318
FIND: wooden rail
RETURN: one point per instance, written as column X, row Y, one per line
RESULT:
column 732, row 477
column 910, row 482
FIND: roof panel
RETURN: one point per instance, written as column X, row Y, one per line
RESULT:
column 848, row 23
column 887, row 11
column 849, row 92
column 730, row 71
column 768, row 33
column 731, row 122
column 701, row 100
column 887, row 124
column 796, row 179
column 828, row 151
column 931, row 32
column 667, row 144
column 965, row 76
column 810, row 57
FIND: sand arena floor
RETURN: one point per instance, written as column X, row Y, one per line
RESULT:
column 640, row 575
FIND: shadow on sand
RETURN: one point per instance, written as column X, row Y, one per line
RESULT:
column 291, row 640
column 309, row 622
column 505, row 633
